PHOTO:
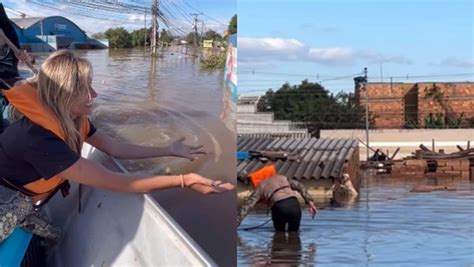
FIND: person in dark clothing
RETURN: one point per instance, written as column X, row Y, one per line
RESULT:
column 8, row 61
column 277, row 192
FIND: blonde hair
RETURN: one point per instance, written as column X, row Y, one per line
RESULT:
column 62, row 79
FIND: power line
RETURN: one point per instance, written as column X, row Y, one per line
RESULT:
column 209, row 17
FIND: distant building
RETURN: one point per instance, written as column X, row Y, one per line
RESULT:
column 413, row 105
column 207, row 43
column 38, row 34
column 250, row 121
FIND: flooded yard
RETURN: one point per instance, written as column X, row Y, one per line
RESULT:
column 389, row 225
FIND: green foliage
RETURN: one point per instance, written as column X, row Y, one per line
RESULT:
column 213, row 62
column 190, row 38
column 165, row 37
column 118, row 38
column 470, row 122
column 434, row 121
column 313, row 105
column 138, row 37
column 232, row 28
column 212, row 35
column 410, row 124
column 440, row 120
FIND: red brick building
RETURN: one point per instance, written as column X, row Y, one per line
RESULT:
column 402, row 105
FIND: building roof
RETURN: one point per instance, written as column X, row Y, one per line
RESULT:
column 318, row 158
column 274, row 135
column 27, row 21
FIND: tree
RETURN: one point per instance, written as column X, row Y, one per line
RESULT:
column 138, row 37
column 313, row 105
column 165, row 37
column 118, row 38
column 190, row 38
column 212, row 35
column 232, row 28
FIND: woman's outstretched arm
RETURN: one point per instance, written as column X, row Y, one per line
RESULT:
column 90, row 173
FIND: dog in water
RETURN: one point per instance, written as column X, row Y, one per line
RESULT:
column 343, row 191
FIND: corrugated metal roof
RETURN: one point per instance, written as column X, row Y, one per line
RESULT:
column 273, row 135
column 25, row 23
column 318, row 158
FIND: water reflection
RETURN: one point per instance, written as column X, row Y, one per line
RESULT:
column 389, row 225
column 284, row 249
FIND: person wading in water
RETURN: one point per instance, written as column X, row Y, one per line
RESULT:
column 277, row 192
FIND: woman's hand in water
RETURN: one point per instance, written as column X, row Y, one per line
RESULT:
column 179, row 149
column 204, row 185
column 312, row 209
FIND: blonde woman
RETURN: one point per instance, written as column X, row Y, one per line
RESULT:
column 40, row 150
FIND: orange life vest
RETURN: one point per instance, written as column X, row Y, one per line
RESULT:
column 260, row 175
column 25, row 99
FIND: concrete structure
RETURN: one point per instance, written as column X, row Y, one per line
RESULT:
column 412, row 105
column 250, row 121
column 407, row 140
column 37, row 34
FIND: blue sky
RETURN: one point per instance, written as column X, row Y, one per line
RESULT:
column 324, row 41
column 216, row 14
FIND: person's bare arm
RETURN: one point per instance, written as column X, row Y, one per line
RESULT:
column 87, row 172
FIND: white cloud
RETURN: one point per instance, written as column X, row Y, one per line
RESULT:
column 333, row 55
column 257, row 49
column 270, row 44
column 374, row 57
column 270, row 48
column 460, row 63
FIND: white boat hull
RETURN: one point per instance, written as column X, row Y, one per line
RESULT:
column 118, row 229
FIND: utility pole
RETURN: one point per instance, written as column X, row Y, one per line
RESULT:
column 381, row 72
column 202, row 32
column 154, row 26
column 144, row 26
column 366, row 112
column 195, row 30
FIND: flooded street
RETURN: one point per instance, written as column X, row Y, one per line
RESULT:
column 388, row 226
column 157, row 102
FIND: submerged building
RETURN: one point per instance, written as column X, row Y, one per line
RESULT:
column 38, row 34
column 418, row 105
column 251, row 121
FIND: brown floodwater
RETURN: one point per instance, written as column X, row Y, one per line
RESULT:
column 155, row 102
column 387, row 226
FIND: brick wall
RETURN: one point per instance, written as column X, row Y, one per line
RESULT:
column 413, row 168
column 458, row 96
column 453, row 167
column 397, row 104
